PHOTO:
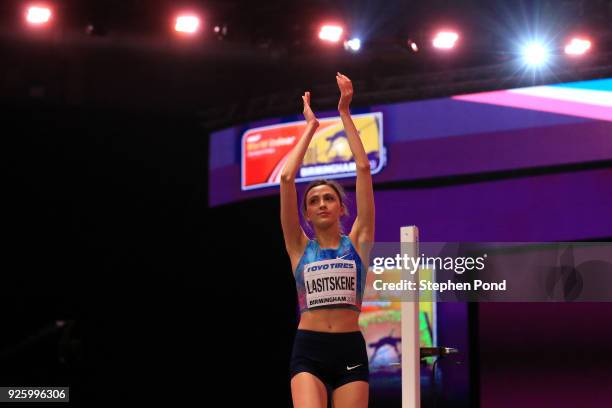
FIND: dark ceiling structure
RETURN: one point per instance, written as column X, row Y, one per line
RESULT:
column 263, row 55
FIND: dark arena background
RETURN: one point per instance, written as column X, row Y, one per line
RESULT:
column 142, row 263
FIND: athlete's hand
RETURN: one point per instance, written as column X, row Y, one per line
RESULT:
column 346, row 92
column 308, row 114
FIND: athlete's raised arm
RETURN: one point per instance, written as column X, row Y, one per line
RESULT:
column 363, row 227
column 295, row 238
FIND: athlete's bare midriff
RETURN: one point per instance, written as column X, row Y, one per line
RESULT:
column 330, row 320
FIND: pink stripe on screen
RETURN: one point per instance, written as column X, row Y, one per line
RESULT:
column 522, row 101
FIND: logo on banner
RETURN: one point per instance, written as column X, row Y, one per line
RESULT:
column 265, row 150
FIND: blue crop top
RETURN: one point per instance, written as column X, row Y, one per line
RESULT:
column 330, row 277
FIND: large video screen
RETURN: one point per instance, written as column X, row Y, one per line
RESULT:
column 465, row 134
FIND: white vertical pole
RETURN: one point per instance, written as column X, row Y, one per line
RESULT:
column 411, row 348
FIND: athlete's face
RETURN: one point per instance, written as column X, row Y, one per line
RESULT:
column 323, row 206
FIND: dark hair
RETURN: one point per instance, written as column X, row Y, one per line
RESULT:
column 322, row 182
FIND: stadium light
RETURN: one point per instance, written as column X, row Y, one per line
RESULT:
column 445, row 40
column 331, row 33
column 413, row 46
column 535, row 54
column 187, row 24
column 354, row 44
column 37, row 15
column 577, row 46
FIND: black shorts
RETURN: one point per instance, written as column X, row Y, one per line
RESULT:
column 335, row 358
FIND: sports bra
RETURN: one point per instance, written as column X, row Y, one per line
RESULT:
column 328, row 277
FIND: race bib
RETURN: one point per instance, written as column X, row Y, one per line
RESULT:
column 330, row 282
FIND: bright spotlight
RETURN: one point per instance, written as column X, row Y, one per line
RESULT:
column 577, row 46
column 330, row 33
column 38, row 15
column 445, row 40
column 354, row 44
column 187, row 24
column 535, row 54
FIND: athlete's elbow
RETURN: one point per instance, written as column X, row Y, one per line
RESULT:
column 363, row 166
column 287, row 178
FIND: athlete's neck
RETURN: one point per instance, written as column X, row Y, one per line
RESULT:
column 328, row 238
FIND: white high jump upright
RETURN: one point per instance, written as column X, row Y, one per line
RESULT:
column 411, row 347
